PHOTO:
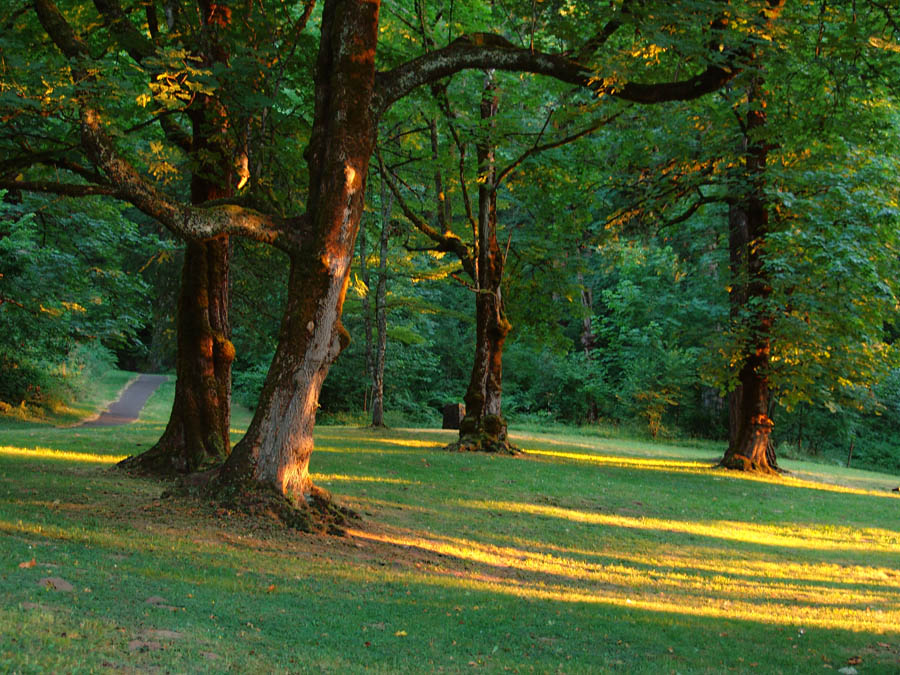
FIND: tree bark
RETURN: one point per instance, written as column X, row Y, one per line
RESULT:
column 381, row 313
column 750, row 427
column 198, row 432
column 484, row 428
column 273, row 457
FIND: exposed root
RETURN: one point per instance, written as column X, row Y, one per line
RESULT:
column 154, row 462
column 316, row 513
column 736, row 462
column 166, row 461
column 483, row 443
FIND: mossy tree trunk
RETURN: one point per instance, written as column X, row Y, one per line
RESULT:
column 197, row 434
column 484, row 428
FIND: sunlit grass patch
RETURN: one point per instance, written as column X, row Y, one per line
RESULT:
column 586, row 555
column 63, row 455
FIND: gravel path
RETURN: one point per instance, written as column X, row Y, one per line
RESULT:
column 130, row 403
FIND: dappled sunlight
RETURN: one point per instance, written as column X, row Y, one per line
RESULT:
column 337, row 477
column 409, row 443
column 786, row 536
column 671, row 465
column 719, row 562
column 773, row 597
column 64, row 455
column 805, row 479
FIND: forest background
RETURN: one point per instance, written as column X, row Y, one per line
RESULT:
column 615, row 221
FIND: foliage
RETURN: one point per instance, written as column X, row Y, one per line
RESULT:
column 70, row 293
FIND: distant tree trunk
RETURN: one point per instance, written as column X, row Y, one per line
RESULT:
column 484, row 428
column 381, row 312
column 750, row 447
column 366, row 312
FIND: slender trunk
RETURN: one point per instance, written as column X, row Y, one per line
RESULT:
column 381, row 313
column 750, row 447
column 588, row 340
column 367, row 316
column 273, row 457
column 484, row 427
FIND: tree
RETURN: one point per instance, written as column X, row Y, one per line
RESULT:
column 350, row 97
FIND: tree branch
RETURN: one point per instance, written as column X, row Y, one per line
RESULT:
column 536, row 149
column 189, row 222
column 447, row 242
column 65, row 189
column 485, row 50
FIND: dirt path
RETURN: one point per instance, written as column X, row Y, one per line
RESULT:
column 130, row 403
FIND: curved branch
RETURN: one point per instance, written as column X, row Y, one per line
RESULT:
column 65, row 189
column 536, row 149
column 484, row 50
column 189, row 222
column 129, row 38
column 446, row 242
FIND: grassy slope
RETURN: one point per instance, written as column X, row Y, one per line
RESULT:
column 587, row 555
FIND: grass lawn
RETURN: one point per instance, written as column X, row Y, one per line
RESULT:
column 586, row 555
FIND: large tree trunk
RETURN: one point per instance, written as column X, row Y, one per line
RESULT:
column 750, row 428
column 484, row 428
column 197, row 434
column 273, row 457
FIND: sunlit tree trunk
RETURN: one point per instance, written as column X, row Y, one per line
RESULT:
column 273, row 457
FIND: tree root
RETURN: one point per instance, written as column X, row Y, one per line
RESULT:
column 483, row 443
column 317, row 512
column 165, row 461
column 738, row 462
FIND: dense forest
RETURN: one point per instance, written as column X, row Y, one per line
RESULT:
column 674, row 219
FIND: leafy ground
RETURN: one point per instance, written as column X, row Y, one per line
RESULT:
column 586, row 555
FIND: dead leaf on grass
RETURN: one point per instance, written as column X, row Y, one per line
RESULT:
column 209, row 655
column 27, row 565
column 56, row 584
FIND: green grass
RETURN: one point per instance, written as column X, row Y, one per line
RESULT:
column 587, row 555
